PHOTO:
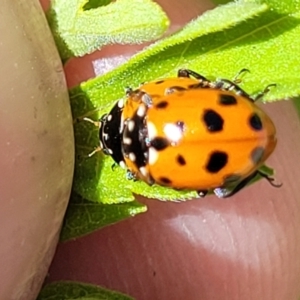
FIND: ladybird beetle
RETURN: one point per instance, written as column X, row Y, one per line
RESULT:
column 190, row 133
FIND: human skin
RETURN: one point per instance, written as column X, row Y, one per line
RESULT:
column 245, row 247
column 36, row 149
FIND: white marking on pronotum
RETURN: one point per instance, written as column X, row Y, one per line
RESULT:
column 173, row 132
column 121, row 125
column 122, row 164
column 141, row 110
column 109, row 118
column 132, row 156
column 121, row 103
column 152, row 131
column 143, row 171
column 153, row 156
column 110, row 152
column 131, row 125
column 127, row 141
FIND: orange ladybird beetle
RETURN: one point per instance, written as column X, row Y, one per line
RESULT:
column 190, row 133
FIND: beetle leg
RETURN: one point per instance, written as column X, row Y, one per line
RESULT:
column 188, row 73
column 260, row 95
column 223, row 192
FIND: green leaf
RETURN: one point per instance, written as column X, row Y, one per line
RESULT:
column 246, row 35
column 67, row 290
column 283, row 7
column 286, row 6
column 78, row 28
column 83, row 216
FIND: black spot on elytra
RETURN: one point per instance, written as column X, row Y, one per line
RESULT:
column 165, row 180
column 159, row 143
column 162, row 104
column 257, row 154
column 180, row 160
column 213, row 121
column 255, row 122
column 227, row 100
column 217, row 161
